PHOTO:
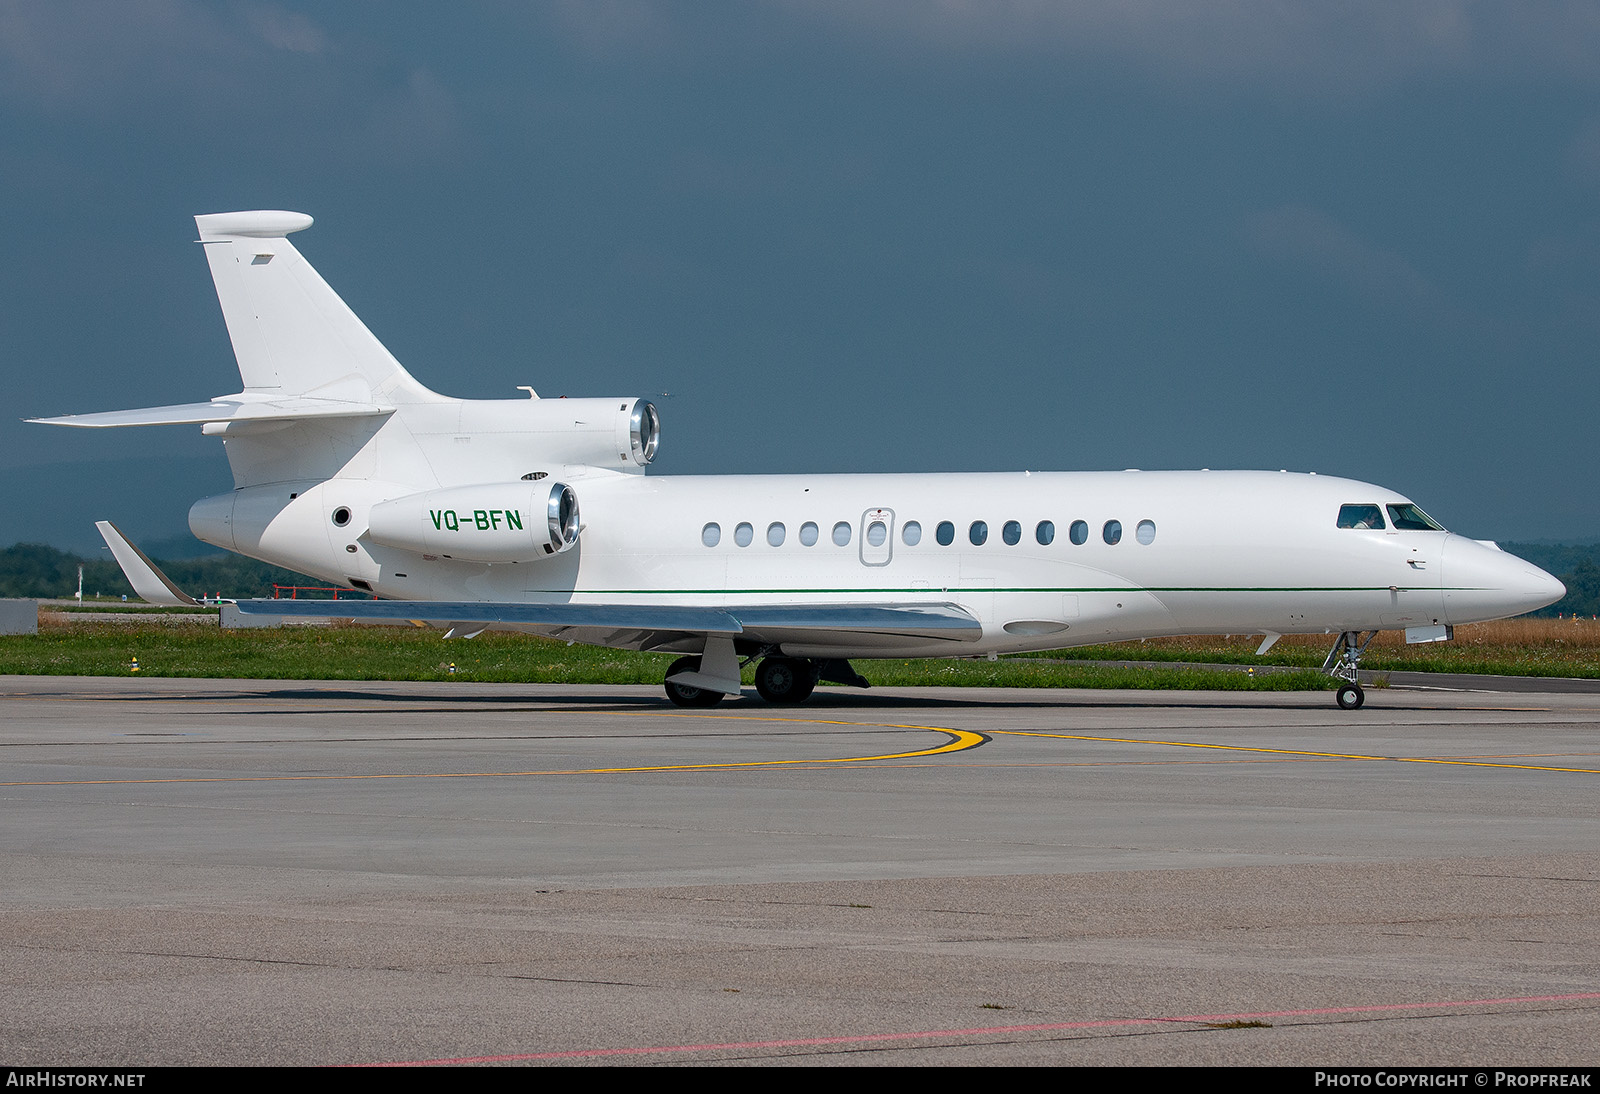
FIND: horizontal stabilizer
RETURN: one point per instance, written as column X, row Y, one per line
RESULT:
column 226, row 409
column 151, row 584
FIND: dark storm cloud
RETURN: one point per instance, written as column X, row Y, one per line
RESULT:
column 226, row 76
column 1359, row 47
column 1360, row 238
column 1312, row 240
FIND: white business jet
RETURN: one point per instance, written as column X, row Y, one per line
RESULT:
column 465, row 514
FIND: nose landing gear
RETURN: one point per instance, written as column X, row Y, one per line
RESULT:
column 1344, row 663
column 1349, row 696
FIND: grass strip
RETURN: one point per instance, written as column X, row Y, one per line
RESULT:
column 409, row 653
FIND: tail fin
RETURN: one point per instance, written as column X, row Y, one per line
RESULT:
column 291, row 333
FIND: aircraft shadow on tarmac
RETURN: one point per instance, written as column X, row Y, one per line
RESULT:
column 599, row 702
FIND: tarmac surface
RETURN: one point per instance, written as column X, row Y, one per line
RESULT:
column 262, row 872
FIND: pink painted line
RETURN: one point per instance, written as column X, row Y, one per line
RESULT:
column 878, row 1038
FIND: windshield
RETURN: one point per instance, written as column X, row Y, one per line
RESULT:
column 1411, row 519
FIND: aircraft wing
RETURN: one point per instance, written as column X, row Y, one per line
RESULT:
column 652, row 626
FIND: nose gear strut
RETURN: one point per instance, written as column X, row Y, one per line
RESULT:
column 1344, row 663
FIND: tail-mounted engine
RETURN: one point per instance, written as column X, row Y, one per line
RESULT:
column 493, row 522
column 618, row 434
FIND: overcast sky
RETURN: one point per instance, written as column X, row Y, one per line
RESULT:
column 1358, row 238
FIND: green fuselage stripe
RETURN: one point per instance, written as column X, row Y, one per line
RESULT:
column 993, row 589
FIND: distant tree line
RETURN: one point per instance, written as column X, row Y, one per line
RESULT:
column 35, row 570
column 1578, row 567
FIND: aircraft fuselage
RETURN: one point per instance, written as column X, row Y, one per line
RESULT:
column 1161, row 553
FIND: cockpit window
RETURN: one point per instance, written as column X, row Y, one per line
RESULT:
column 1409, row 518
column 1360, row 516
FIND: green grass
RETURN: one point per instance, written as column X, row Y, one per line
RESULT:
column 1429, row 658
column 86, row 648
column 1512, row 647
column 315, row 653
column 109, row 607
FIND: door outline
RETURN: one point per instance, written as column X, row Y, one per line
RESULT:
column 882, row 554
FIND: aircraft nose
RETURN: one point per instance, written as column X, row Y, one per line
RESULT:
column 1483, row 583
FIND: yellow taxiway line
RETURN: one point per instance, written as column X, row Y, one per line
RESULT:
column 1297, row 752
column 959, row 741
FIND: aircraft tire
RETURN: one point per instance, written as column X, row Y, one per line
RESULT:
column 682, row 695
column 785, row 681
column 1350, row 697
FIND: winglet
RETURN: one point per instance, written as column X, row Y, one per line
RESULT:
column 150, row 583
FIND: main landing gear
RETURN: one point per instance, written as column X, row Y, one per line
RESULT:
column 786, row 680
column 683, row 695
column 1344, row 663
column 782, row 681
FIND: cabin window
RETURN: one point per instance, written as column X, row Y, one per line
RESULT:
column 911, row 533
column 1360, row 516
column 1112, row 532
column 808, row 533
column 978, row 533
column 1079, row 532
column 945, row 533
column 1011, row 532
column 877, row 532
column 743, row 534
column 841, row 533
column 1045, row 533
column 1408, row 518
column 1146, row 532
column 775, row 532
column 711, row 534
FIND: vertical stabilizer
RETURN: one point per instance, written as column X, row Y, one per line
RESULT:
column 291, row 333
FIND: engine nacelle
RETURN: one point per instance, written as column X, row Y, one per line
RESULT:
column 598, row 432
column 512, row 437
column 492, row 522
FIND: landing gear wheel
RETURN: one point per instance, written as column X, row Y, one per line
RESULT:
column 683, row 695
column 785, row 680
column 1350, row 696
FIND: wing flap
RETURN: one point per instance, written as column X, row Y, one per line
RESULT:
column 939, row 621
